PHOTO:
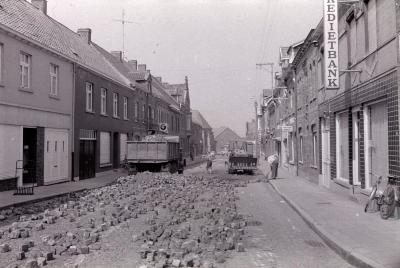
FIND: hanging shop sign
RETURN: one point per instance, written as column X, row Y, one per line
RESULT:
column 331, row 41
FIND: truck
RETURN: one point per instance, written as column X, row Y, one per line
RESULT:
column 242, row 157
column 154, row 154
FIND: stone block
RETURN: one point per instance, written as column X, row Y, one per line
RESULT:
column 20, row 255
column 5, row 248
column 25, row 247
column 42, row 261
column 31, row 263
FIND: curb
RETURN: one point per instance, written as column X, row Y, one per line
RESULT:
column 45, row 198
column 342, row 250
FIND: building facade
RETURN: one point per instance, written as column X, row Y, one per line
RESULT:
column 344, row 138
column 359, row 122
column 35, row 101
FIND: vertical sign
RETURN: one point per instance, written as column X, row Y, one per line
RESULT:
column 331, row 40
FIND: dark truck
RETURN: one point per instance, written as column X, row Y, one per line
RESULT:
column 242, row 157
column 156, row 154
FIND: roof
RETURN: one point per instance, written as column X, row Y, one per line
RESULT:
column 159, row 91
column 198, row 119
column 21, row 18
column 218, row 131
column 178, row 91
column 225, row 130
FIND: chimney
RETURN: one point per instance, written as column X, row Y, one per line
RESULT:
column 159, row 78
column 142, row 67
column 133, row 64
column 41, row 5
column 186, row 82
column 86, row 34
column 117, row 55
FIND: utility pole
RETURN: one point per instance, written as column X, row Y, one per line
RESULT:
column 123, row 22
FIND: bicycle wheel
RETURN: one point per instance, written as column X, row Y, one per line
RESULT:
column 371, row 197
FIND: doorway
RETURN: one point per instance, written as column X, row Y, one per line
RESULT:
column 116, row 145
column 326, row 165
column 29, row 154
column 87, row 159
column 356, row 147
column 376, row 133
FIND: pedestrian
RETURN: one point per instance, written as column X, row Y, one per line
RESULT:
column 273, row 161
column 209, row 163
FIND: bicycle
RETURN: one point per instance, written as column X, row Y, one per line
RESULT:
column 374, row 195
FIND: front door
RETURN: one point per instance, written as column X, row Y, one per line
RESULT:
column 55, row 155
column 326, row 165
column 377, row 142
column 29, row 155
column 87, row 157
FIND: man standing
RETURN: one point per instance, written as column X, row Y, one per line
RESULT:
column 273, row 161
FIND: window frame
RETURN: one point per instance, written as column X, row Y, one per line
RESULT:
column 115, row 105
column 103, row 101
column 125, row 103
column 56, row 76
column 89, row 97
column 23, row 65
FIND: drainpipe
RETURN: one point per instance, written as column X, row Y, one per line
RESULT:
column 72, row 146
column 296, row 117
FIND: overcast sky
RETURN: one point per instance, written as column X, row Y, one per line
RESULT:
column 216, row 43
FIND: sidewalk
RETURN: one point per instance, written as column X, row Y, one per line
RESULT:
column 7, row 198
column 363, row 239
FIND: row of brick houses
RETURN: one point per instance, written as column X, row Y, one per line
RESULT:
column 350, row 136
column 67, row 106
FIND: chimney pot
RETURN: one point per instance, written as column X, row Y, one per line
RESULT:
column 117, row 55
column 133, row 64
column 142, row 67
column 41, row 5
column 86, row 34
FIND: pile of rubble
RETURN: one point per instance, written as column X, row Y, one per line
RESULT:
column 191, row 221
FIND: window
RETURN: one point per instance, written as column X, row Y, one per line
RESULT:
column 53, row 79
column 291, row 148
column 103, row 101
column 105, row 149
column 314, row 146
column 143, row 111
column 89, row 97
column 136, row 110
column 125, row 108
column 115, row 105
column 25, row 70
column 301, row 147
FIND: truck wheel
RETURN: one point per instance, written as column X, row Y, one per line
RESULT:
column 172, row 168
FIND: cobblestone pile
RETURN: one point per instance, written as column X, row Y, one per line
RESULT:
column 189, row 221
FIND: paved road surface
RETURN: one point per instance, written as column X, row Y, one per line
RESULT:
column 283, row 239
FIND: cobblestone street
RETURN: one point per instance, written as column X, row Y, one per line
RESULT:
column 162, row 220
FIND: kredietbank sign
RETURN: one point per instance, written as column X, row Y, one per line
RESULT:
column 331, row 40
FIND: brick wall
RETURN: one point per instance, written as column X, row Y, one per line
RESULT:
column 383, row 87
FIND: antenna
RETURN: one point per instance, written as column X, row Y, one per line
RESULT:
column 123, row 22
